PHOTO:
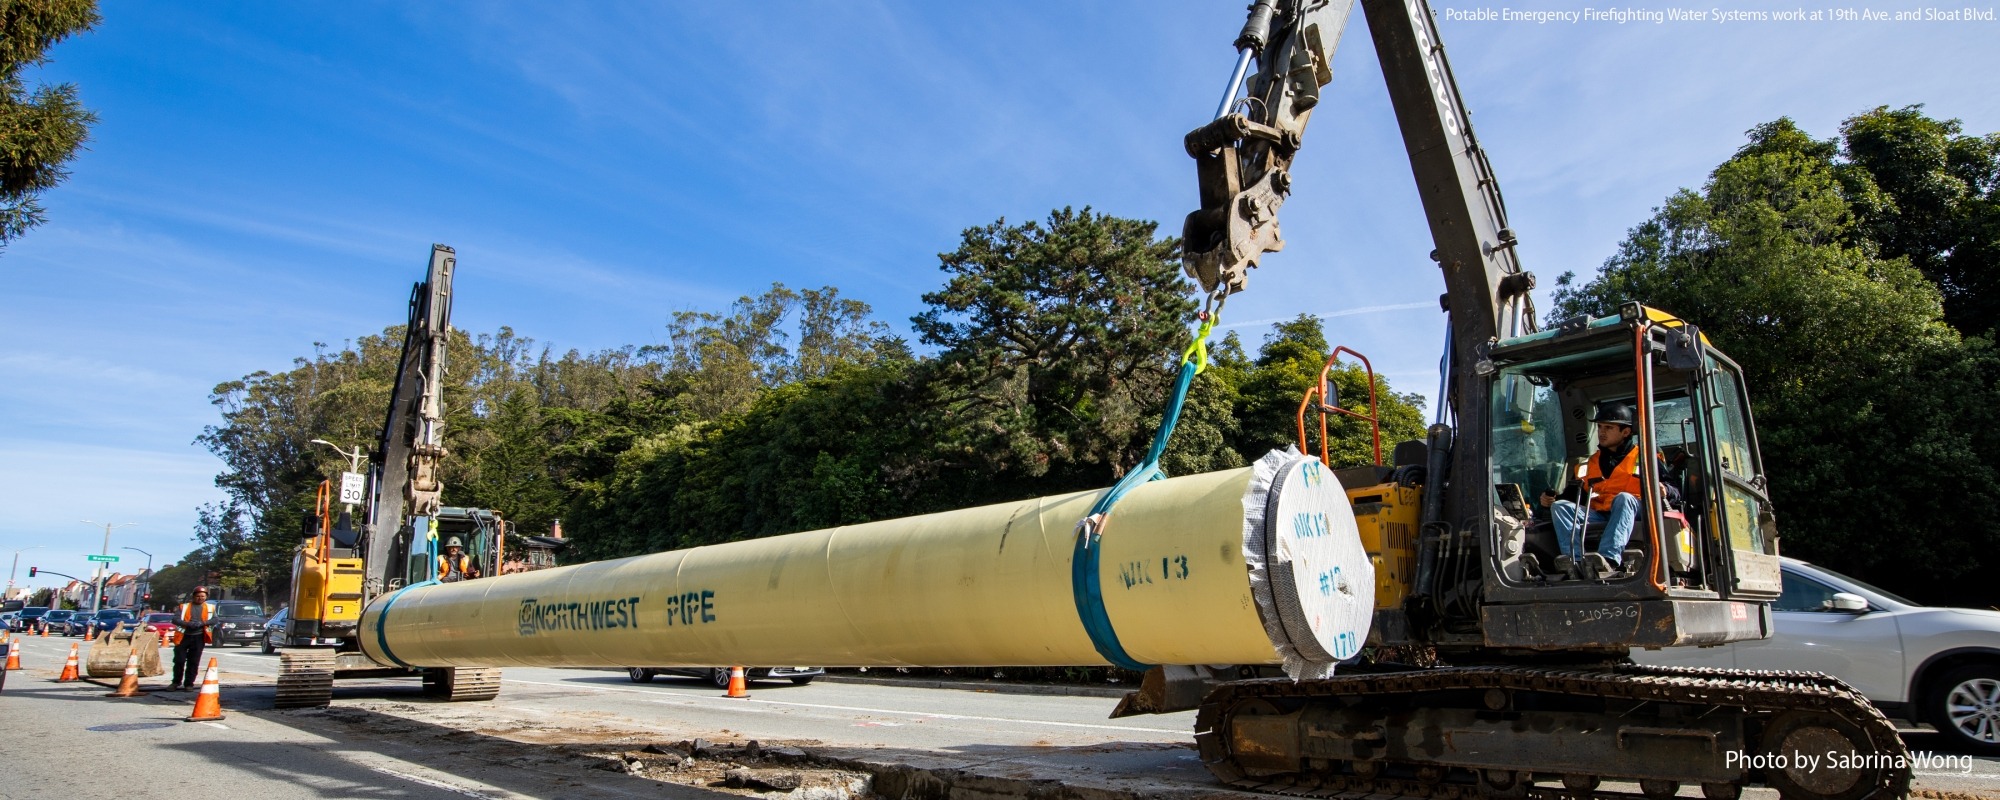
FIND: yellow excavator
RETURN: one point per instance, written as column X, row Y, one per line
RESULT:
column 1468, row 563
column 339, row 567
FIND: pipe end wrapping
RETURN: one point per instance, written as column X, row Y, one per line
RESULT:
column 1312, row 580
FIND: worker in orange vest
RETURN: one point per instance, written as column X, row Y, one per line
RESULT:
column 195, row 621
column 1612, row 477
column 455, row 565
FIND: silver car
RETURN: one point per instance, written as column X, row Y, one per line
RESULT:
column 1923, row 664
column 719, row 676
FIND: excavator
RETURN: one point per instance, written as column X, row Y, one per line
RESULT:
column 1540, row 698
column 338, row 568
column 1433, row 642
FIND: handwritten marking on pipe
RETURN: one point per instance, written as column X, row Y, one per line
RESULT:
column 1134, row 573
column 1345, row 645
column 537, row 617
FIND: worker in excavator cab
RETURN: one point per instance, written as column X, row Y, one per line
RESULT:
column 1612, row 479
column 455, row 565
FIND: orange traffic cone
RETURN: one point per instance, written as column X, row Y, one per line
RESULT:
column 45, row 631
column 167, row 639
column 736, row 687
column 69, row 667
column 128, row 686
column 14, row 655
column 208, row 705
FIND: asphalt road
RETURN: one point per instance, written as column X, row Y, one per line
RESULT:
column 382, row 739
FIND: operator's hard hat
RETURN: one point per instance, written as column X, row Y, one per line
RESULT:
column 1615, row 413
column 452, row 542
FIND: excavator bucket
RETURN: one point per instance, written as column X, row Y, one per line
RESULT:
column 111, row 649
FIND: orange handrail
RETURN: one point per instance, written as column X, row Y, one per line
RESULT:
column 325, row 504
column 1649, row 489
column 1319, row 390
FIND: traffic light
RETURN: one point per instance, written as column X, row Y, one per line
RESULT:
column 32, row 571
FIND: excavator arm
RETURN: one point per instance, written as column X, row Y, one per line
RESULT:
column 1243, row 161
column 405, row 482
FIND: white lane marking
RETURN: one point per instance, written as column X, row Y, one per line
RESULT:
column 859, row 709
column 418, row 779
column 216, row 725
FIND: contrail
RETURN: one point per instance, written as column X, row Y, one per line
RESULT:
column 1348, row 312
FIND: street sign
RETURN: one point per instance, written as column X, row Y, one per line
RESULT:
column 105, row 559
column 351, row 484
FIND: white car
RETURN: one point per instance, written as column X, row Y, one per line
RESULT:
column 1918, row 663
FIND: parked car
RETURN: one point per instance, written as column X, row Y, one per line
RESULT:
column 1929, row 665
column 108, row 618
column 159, row 621
column 242, row 622
column 720, row 675
column 77, row 622
column 57, row 620
column 274, row 630
column 7, row 618
column 29, row 618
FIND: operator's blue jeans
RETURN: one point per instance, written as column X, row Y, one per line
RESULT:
column 1617, row 527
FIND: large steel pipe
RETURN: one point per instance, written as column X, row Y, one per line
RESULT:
column 1250, row 566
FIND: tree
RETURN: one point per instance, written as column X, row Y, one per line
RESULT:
column 42, row 128
column 1287, row 365
column 174, row 583
column 1865, row 398
column 725, row 361
column 1922, row 190
column 1061, row 337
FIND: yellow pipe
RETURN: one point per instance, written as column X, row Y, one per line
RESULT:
column 985, row 586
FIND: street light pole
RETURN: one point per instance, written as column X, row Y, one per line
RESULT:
column 16, row 568
column 97, row 603
column 145, row 586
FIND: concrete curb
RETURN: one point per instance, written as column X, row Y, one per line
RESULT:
column 997, row 687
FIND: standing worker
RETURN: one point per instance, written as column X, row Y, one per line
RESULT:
column 194, row 623
column 455, row 565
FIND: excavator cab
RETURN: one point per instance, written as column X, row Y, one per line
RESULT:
column 1702, row 557
column 483, row 532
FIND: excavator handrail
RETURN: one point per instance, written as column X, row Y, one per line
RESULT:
column 1374, row 415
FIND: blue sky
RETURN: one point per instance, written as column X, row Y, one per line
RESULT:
column 267, row 176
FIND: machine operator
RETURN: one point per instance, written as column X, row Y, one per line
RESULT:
column 1612, row 480
column 455, row 565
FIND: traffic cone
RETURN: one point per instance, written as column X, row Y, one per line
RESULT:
column 736, row 687
column 14, row 655
column 128, row 686
column 208, row 705
column 45, row 631
column 167, row 639
column 69, row 667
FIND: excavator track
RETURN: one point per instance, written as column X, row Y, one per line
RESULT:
column 1450, row 732
column 463, row 684
column 305, row 677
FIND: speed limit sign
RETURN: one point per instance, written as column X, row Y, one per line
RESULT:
column 351, row 484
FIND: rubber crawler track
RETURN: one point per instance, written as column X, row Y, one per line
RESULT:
column 1755, row 694
column 305, row 678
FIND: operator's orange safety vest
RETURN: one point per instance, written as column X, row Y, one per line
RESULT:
column 1605, row 488
column 464, row 566
column 189, row 614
